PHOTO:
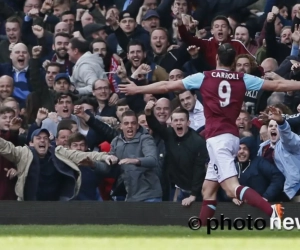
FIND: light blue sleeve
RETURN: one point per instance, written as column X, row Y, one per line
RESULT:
column 253, row 82
column 193, row 81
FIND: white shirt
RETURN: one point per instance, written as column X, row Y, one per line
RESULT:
column 197, row 117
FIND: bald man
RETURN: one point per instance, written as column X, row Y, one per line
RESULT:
column 62, row 27
column 162, row 110
column 6, row 87
column 18, row 70
column 269, row 65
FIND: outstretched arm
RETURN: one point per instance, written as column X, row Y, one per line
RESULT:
column 190, row 82
column 281, row 85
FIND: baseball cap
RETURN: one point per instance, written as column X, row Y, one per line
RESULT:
column 149, row 14
column 38, row 131
column 125, row 14
column 63, row 76
column 91, row 28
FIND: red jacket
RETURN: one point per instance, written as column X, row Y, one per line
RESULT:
column 210, row 47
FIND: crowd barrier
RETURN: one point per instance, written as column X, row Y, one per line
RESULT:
column 110, row 213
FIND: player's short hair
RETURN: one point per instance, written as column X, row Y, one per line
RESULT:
column 181, row 111
column 66, row 124
column 226, row 54
column 121, row 102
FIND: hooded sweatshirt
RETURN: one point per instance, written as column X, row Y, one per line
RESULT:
column 86, row 71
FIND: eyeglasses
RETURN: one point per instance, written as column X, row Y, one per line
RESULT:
column 102, row 88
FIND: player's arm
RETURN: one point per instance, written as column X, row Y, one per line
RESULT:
column 281, row 85
column 190, row 82
column 256, row 83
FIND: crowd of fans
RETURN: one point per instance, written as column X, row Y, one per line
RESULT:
column 67, row 133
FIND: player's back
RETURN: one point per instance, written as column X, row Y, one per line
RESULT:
column 223, row 94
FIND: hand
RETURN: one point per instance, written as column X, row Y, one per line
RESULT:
column 121, row 70
column 79, row 13
column 263, row 117
column 296, row 34
column 87, row 162
column 129, row 161
column 36, row 51
column 15, row 123
column 45, row 64
column 53, row 116
column 33, row 13
column 11, row 173
column 143, row 9
column 47, row 6
column 275, row 10
column 113, row 99
column 111, row 160
column 188, row 201
column 109, row 120
column 77, row 34
column 10, row 47
column 143, row 69
column 79, row 111
column 193, row 51
column 112, row 20
column 295, row 66
column 298, row 108
column 237, row 202
column 87, row 3
column 173, row 46
column 271, row 17
column 177, row 13
column 149, row 107
column 21, row 131
column 128, row 89
column 38, row 31
column 42, row 114
column 272, row 76
column 201, row 33
column 275, row 114
column 51, row 137
column 102, row 11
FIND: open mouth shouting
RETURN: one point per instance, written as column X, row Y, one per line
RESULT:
column 241, row 127
column 179, row 130
column 21, row 62
column 129, row 133
column 273, row 135
column 220, row 36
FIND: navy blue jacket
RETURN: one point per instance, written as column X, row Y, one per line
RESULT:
column 68, row 178
column 262, row 176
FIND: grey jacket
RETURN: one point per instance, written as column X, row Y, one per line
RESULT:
column 141, row 182
column 86, row 71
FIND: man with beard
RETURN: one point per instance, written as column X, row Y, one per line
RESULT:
column 282, row 149
column 60, row 47
column 242, row 33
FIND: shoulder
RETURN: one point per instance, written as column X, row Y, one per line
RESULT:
column 196, row 138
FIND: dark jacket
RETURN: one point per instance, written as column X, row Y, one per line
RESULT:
column 185, row 156
column 141, row 182
column 260, row 175
column 21, row 89
column 119, row 37
column 68, row 178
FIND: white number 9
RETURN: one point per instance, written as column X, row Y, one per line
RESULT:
column 225, row 96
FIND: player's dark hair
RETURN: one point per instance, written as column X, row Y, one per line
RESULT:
column 181, row 111
column 121, row 102
column 135, row 43
column 226, row 54
column 66, row 124
column 224, row 18
column 4, row 110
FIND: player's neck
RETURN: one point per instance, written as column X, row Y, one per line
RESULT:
column 223, row 67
